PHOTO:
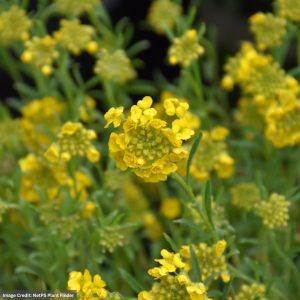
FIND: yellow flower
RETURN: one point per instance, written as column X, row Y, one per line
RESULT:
column 185, row 49
column 86, row 286
column 145, row 145
column 289, row 9
column 114, row 66
column 153, row 227
column 269, row 30
column 41, row 52
column 219, row 133
column 197, row 291
column 274, row 212
column 163, row 14
column 74, row 36
column 76, row 7
column 14, row 25
column 170, row 208
column 211, row 260
column 114, row 115
column 73, row 140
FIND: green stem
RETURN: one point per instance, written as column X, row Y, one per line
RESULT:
column 109, row 94
column 192, row 199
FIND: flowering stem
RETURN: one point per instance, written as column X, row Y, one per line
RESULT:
column 192, row 199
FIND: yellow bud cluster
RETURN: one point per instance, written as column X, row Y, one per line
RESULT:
column 111, row 238
column 251, row 292
column 274, row 212
column 245, row 196
column 212, row 155
column 86, row 286
column 73, row 140
column 114, row 66
column 14, row 25
column 41, row 52
column 185, row 49
column 269, row 30
column 74, row 36
column 289, row 9
column 76, row 7
column 163, row 14
column 211, row 260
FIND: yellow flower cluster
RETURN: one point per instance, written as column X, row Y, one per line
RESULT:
column 211, row 260
column 163, row 14
column 14, row 25
column 38, row 177
column 76, row 7
column 114, row 66
column 269, row 30
column 185, row 49
column 145, row 145
column 173, row 282
column 40, row 120
column 251, row 292
column 41, row 52
column 170, row 208
column 274, row 212
column 283, row 123
column 74, row 36
column 289, row 9
column 86, row 286
column 245, row 196
column 212, row 155
column 73, row 140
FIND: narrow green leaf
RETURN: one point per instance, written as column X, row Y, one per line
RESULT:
column 136, row 287
column 187, row 223
column 171, row 242
column 207, row 202
column 226, row 290
column 192, row 154
column 195, row 265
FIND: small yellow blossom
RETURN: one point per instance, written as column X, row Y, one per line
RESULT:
column 154, row 229
column 74, row 36
column 73, row 140
column 163, row 14
column 170, row 208
column 185, row 49
column 76, row 7
column 86, row 286
column 41, row 52
column 274, row 212
column 14, row 25
column 114, row 115
column 114, row 66
column 219, row 133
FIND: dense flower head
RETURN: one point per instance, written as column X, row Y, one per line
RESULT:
column 86, row 286
column 283, row 123
column 146, row 145
column 212, row 155
column 211, row 260
column 76, row 7
column 74, row 36
column 163, row 14
column 251, row 292
column 268, row 29
column 274, row 212
column 110, row 238
column 185, row 49
column 289, row 9
column 73, row 140
column 245, row 195
column 172, row 282
column 41, row 52
column 40, row 120
column 114, row 66
column 14, row 25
